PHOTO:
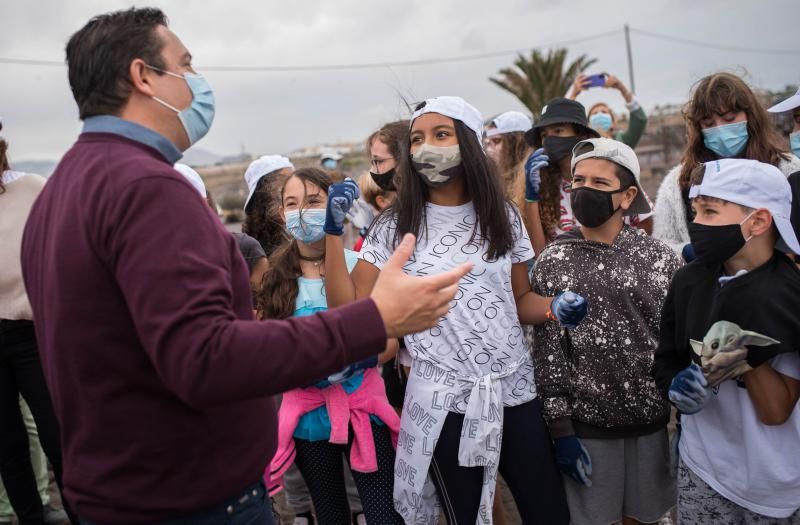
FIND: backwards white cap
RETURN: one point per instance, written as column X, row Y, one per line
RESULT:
column 193, row 177
column 509, row 122
column 455, row 108
column 790, row 103
column 260, row 167
column 755, row 185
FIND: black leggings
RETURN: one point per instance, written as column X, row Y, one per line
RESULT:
column 21, row 373
column 320, row 463
column 527, row 463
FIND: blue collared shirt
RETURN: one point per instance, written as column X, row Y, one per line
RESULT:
column 133, row 131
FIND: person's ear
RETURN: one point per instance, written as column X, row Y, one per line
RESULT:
column 628, row 196
column 760, row 222
column 282, row 214
column 142, row 77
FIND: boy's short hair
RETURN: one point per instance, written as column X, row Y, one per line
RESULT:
column 370, row 191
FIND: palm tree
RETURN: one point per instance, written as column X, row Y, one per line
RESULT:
column 537, row 79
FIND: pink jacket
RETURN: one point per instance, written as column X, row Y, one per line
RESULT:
column 343, row 410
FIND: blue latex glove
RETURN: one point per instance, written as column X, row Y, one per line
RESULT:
column 574, row 460
column 569, row 308
column 689, row 390
column 537, row 160
column 340, row 198
column 350, row 370
column 688, row 253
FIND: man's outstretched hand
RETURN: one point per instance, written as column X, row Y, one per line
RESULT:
column 412, row 304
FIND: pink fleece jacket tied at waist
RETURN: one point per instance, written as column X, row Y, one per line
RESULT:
column 343, row 410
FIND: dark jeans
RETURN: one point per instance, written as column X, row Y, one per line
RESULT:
column 21, row 373
column 250, row 507
column 527, row 463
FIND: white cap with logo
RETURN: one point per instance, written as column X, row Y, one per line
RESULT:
column 509, row 122
column 193, row 177
column 455, row 108
column 618, row 153
column 260, row 167
column 753, row 184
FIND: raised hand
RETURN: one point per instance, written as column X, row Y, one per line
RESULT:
column 569, row 308
column 533, row 179
column 412, row 304
column 581, row 83
column 340, row 198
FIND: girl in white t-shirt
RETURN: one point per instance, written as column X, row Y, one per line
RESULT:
column 471, row 387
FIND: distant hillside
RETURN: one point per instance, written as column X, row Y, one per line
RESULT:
column 39, row 167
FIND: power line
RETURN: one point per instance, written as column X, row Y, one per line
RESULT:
column 689, row 42
column 443, row 60
column 368, row 65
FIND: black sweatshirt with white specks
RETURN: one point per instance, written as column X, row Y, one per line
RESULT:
column 595, row 380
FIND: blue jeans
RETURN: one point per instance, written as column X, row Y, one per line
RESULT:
column 251, row 507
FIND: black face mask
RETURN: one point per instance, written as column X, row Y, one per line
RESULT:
column 716, row 244
column 385, row 181
column 593, row 207
column 558, row 148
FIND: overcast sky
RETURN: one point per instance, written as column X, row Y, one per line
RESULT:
column 268, row 112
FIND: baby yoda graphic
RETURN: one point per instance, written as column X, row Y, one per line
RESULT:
column 723, row 351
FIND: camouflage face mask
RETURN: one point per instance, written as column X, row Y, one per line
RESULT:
column 438, row 166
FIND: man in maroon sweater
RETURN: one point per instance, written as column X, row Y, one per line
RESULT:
column 160, row 376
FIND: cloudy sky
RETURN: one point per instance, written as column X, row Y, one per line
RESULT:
column 270, row 112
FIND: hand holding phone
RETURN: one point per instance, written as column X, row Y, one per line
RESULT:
column 598, row 80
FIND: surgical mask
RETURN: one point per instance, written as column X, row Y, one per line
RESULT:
column 198, row 117
column 726, row 141
column 593, row 207
column 307, row 226
column 329, row 164
column 559, row 148
column 794, row 142
column 385, row 181
column 716, row 244
column 601, row 121
column 437, row 165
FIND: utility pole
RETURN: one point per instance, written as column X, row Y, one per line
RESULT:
column 630, row 57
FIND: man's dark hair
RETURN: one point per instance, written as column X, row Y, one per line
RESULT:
column 99, row 56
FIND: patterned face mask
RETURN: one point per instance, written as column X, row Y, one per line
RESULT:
column 437, row 165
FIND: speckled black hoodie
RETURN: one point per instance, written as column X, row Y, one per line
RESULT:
column 595, row 380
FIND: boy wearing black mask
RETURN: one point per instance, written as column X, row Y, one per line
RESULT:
column 563, row 124
column 727, row 356
column 605, row 414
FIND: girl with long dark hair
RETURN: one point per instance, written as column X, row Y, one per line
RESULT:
column 345, row 414
column 472, row 378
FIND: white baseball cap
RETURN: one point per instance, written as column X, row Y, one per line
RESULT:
column 509, row 122
column 456, row 108
column 755, row 185
column 618, row 153
column 786, row 105
column 260, row 167
column 193, row 177
column 331, row 155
